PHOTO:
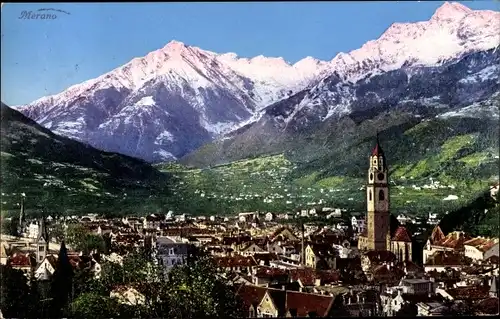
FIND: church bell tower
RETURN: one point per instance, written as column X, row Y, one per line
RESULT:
column 377, row 193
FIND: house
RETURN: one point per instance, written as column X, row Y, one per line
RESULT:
column 236, row 263
column 270, row 216
column 403, row 219
column 391, row 302
column 358, row 303
column 265, row 276
column 153, row 221
column 33, row 230
column 358, row 224
column 283, row 234
column 308, row 277
column 252, row 249
column 481, row 248
column 418, row 286
column 320, row 256
column 170, row 252
column 24, row 262
column 372, row 258
column 285, row 250
column 440, row 261
column 453, row 242
column 468, row 293
column 48, row 265
column 270, row 302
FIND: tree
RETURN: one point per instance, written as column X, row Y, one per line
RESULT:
column 407, row 310
column 81, row 239
column 92, row 305
column 9, row 227
column 14, row 292
column 57, row 232
column 197, row 291
column 62, row 283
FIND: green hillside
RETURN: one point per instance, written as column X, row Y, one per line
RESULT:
column 64, row 176
column 436, row 165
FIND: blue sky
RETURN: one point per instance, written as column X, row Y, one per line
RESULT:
column 43, row 57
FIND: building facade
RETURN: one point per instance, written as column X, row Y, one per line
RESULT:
column 170, row 252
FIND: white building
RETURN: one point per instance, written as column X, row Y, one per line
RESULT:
column 358, row 224
column 269, row 217
column 170, row 252
column 403, row 219
column 33, row 230
column 433, row 219
column 481, row 248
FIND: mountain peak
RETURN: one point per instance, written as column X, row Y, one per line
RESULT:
column 175, row 45
column 451, row 11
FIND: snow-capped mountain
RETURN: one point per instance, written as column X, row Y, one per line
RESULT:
column 177, row 98
column 171, row 101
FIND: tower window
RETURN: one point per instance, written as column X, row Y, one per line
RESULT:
column 380, row 176
column 371, row 177
column 370, row 195
column 381, row 195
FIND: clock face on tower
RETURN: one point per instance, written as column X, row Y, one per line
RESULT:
column 380, row 176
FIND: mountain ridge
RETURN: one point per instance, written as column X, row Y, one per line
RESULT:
column 137, row 108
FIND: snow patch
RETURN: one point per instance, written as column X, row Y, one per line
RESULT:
column 146, row 101
column 164, row 136
column 165, row 155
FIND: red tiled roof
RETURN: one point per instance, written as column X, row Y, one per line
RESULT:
column 235, row 261
column 298, row 303
column 278, row 231
column 488, row 306
column 401, row 234
column 307, row 276
column 236, row 240
column 493, row 259
column 303, row 303
column 266, row 257
column 482, row 244
column 270, row 272
column 454, row 240
column 251, row 295
column 470, row 292
column 437, row 235
column 20, row 260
